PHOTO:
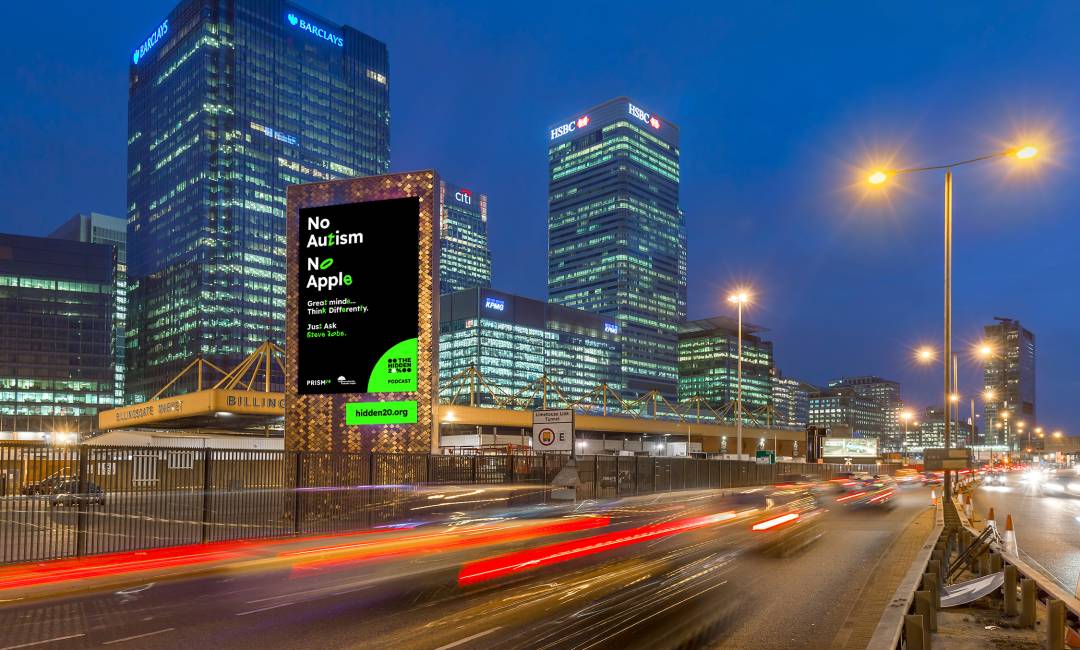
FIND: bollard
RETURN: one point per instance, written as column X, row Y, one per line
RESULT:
column 936, row 562
column 924, row 605
column 984, row 565
column 1055, row 625
column 914, row 633
column 995, row 563
column 1027, row 602
column 1008, row 590
column 930, row 583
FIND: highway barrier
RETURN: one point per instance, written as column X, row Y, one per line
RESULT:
column 66, row 501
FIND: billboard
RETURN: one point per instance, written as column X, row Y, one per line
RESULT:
column 358, row 319
column 361, row 313
column 849, row 448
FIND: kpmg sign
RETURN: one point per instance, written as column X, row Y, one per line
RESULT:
column 321, row 32
column 150, row 42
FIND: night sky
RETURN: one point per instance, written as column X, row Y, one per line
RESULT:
column 780, row 105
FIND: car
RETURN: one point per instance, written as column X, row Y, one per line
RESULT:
column 790, row 520
column 1060, row 483
column 876, row 491
column 47, row 484
column 68, row 494
column 908, row 476
column 996, row 477
column 933, row 478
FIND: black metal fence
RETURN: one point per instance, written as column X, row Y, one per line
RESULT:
column 60, row 502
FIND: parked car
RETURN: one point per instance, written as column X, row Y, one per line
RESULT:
column 47, row 484
column 67, row 494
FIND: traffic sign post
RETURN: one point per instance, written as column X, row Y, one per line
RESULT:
column 941, row 459
column 553, row 430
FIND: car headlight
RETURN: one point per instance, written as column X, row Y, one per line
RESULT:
column 1054, row 487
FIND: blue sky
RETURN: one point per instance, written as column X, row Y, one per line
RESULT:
column 779, row 105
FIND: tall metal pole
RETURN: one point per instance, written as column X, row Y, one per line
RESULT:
column 947, row 357
column 738, row 392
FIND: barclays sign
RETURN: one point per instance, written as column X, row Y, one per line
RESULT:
column 150, row 42
column 321, row 32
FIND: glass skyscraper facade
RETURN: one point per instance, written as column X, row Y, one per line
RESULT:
column 616, row 234
column 886, row 394
column 229, row 102
column 708, row 368
column 791, row 401
column 464, row 253
column 56, row 316
column 94, row 228
column 1009, row 376
column 512, row 341
column 850, row 414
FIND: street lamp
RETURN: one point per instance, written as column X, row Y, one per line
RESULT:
column 906, row 417
column 878, row 178
column 739, row 297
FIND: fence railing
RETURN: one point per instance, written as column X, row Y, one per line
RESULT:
column 58, row 502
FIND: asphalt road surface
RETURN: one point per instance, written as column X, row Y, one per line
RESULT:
column 661, row 571
column 1047, row 525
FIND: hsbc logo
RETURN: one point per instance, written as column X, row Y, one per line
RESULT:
column 464, row 196
column 651, row 120
column 570, row 127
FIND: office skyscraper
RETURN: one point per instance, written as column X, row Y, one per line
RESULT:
column 229, row 102
column 1009, row 376
column 464, row 254
column 616, row 234
column 94, row 228
column 708, row 368
column 56, row 312
column 887, row 395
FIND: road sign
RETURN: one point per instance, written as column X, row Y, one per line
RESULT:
column 938, row 458
column 971, row 590
column 765, row 457
column 553, row 429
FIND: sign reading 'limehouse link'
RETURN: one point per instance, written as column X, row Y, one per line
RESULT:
column 358, row 310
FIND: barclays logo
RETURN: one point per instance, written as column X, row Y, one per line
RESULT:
column 321, row 32
column 150, row 42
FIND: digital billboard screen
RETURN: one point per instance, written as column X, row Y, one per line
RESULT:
column 849, row 448
column 358, row 309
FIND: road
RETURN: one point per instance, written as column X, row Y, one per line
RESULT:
column 1047, row 526
column 658, row 571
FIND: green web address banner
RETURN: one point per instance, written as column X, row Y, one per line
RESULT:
column 380, row 413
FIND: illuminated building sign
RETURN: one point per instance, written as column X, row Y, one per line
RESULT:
column 150, row 42
column 464, row 196
column 274, row 133
column 570, row 127
column 651, row 120
column 358, row 310
column 611, row 328
column 321, row 32
column 495, row 304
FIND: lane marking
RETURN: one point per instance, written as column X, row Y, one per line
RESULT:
column 468, row 638
column 33, row 643
column 138, row 636
column 263, row 609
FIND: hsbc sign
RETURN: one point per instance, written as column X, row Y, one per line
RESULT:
column 570, row 127
column 651, row 120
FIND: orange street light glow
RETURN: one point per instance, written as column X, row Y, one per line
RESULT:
column 879, row 177
column 1026, row 152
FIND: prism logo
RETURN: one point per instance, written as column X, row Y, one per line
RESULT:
column 293, row 19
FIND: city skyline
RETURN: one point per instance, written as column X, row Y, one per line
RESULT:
column 793, row 249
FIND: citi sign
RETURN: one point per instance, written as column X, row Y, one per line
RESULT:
column 150, row 42
column 464, row 196
column 296, row 21
column 651, row 120
column 570, row 127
